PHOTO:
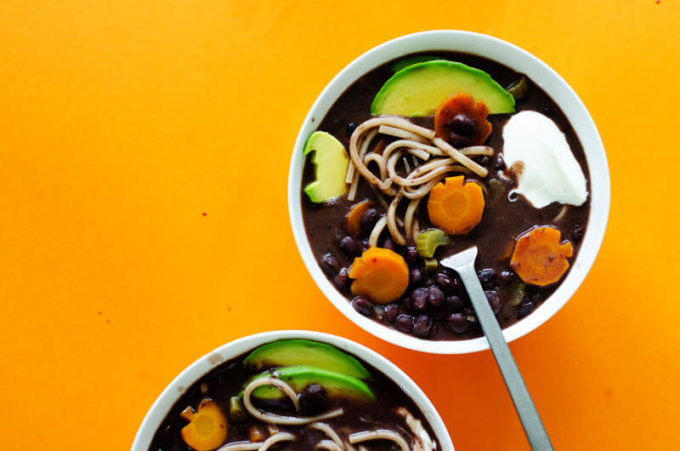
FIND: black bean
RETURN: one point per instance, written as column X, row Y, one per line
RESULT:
column 577, row 234
column 411, row 256
column 444, row 282
column 349, row 246
column 435, row 296
column 458, row 323
column 422, row 326
column 363, row 305
column 524, row 309
column 364, row 245
column 330, row 264
column 368, row 220
column 388, row 244
column 166, row 435
column 435, row 329
column 419, row 298
column 391, row 311
column 487, row 277
column 456, row 285
column 415, row 276
column 462, row 124
column 342, row 278
column 458, row 141
column 449, row 272
column 406, row 302
column 313, row 399
column 507, row 276
column 350, row 128
column 404, row 323
column 499, row 162
column 455, row 303
column 494, row 301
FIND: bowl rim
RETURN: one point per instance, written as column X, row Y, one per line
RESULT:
column 176, row 388
column 519, row 60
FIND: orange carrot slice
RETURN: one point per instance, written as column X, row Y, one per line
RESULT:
column 464, row 104
column 379, row 274
column 456, row 207
column 540, row 258
column 355, row 214
column 207, row 428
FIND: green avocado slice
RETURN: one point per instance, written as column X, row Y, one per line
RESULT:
column 419, row 89
column 331, row 161
column 298, row 377
column 305, row 352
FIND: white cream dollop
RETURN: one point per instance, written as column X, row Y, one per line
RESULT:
column 549, row 171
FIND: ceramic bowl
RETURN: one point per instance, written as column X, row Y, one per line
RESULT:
column 205, row 364
column 518, row 60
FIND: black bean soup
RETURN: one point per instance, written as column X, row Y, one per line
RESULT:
column 224, row 386
column 435, row 305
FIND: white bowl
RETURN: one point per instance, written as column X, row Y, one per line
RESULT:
column 205, row 364
column 518, row 60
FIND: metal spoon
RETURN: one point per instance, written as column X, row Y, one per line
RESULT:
column 464, row 264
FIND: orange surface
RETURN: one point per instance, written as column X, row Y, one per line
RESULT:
column 144, row 150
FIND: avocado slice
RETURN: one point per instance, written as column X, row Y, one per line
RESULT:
column 305, row 352
column 420, row 88
column 331, row 161
column 298, row 377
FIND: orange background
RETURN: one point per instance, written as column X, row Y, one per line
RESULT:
column 144, row 151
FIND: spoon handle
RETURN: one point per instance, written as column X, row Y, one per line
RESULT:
column 528, row 415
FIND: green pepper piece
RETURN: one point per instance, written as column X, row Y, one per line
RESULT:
column 431, row 265
column 236, row 410
column 428, row 241
column 517, row 293
column 518, row 88
column 496, row 188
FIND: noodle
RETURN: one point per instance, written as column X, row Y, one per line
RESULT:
column 395, row 177
column 280, row 419
column 379, row 434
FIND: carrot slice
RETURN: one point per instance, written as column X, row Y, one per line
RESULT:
column 207, row 428
column 540, row 258
column 464, row 104
column 379, row 274
column 454, row 206
column 355, row 214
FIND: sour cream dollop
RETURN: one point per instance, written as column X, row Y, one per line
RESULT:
column 548, row 171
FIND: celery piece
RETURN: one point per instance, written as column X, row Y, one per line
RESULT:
column 519, row 88
column 431, row 265
column 517, row 293
column 427, row 242
column 236, row 411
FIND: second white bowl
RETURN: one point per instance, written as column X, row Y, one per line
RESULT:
column 229, row 351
